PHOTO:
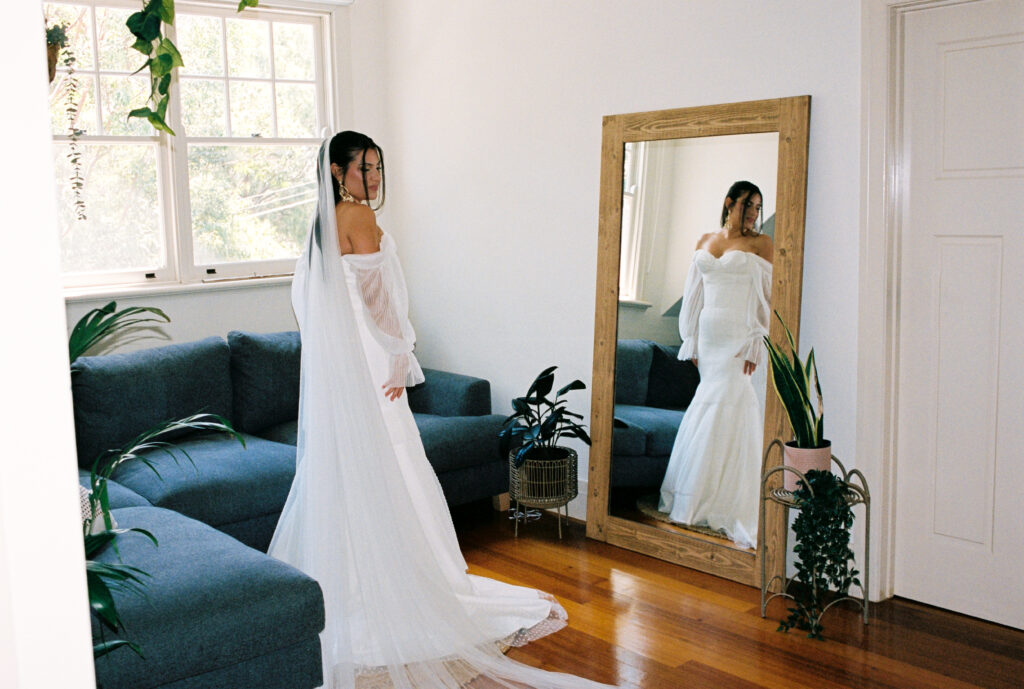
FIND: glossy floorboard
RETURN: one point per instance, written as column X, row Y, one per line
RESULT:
column 640, row 622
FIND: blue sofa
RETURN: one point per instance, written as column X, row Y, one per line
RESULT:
column 652, row 391
column 218, row 611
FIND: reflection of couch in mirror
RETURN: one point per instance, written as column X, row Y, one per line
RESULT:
column 652, row 391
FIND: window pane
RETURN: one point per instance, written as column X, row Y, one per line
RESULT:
column 250, row 202
column 248, row 48
column 79, row 31
column 122, row 231
column 293, row 51
column 84, row 103
column 296, row 110
column 251, row 109
column 203, row 107
column 114, row 41
column 121, row 95
column 200, row 44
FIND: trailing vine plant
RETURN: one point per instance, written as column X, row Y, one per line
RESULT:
column 162, row 56
column 824, row 558
column 57, row 41
column 71, row 117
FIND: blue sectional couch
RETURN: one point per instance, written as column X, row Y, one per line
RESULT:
column 652, row 390
column 219, row 612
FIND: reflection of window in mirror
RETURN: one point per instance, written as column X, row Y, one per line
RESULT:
column 629, row 262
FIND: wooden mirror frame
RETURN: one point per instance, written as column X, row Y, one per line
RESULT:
column 790, row 117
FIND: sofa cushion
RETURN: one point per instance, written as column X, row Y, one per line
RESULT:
column 672, row 382
column 119, row 396
column 450, row 394
column 222, row 483
column 265, row 378
column 117, row 495
column 632, row 368
column 287, row 432
column 456, row 442
column 629, row 439
column 659, row 426
column 210, row 603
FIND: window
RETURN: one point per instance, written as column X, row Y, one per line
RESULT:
column 634, row 162
column 230, row 196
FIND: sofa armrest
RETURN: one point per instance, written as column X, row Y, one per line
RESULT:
column 450, row 394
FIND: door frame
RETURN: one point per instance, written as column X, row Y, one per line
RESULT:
column 882, row 194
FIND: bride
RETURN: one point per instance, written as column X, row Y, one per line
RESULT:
column 366, row 516
column 714, row 470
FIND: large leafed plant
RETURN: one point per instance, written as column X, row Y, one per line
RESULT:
column 540, row 422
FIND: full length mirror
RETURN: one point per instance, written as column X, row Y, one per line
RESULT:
column 679, row 476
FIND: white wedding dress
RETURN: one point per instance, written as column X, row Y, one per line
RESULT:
column 366, row 516
column 714, row 471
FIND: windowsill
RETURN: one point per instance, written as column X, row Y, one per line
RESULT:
column 79, row 294
column 635, row 304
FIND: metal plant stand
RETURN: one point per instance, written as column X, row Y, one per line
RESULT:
column 856, row 493
column 543, row 484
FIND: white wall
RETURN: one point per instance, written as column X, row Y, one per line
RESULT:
column 44, row 611
column 493, row 137
column 202, row 312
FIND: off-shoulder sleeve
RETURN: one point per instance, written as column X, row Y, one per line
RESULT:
column 689, row 312
column 758, row 315
column 386, row 309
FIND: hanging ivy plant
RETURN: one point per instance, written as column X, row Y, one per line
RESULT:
column 162, row 56
column 824, row 558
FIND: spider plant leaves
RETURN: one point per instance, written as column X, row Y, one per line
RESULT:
column 106, row 321
column 247, row 3
column 104, row 647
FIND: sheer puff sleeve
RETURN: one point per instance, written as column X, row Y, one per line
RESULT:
column 758, row 314
column 386, row 309
column 689, row 312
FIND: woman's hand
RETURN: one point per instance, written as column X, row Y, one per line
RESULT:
column 392, row 393
column 694, row 360
column 748, row 367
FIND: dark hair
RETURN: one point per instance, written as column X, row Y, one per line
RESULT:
column 736, row 191
column 346, row 147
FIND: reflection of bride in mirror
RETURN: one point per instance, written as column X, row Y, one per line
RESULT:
column 713, row 473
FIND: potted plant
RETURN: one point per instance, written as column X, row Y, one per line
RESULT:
column 809, row 450
column 56, row 40
column 542, row 473
column 824, row 559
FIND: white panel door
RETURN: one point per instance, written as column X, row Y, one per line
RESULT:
column 960, row 426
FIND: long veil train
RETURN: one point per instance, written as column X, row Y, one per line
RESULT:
column 393, row 619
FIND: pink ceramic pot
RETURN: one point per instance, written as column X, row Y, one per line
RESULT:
column 803, row 460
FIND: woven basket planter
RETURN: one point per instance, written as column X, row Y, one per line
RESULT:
column 544, row 483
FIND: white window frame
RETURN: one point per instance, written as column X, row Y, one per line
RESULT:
column 173, row 200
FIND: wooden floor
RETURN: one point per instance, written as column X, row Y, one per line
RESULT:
column 639, row 622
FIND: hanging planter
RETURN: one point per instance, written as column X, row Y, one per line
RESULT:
column 56, row 39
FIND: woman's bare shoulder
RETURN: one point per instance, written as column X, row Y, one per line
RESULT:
column 706, row 240
column 764, row 247
column 357, row 229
